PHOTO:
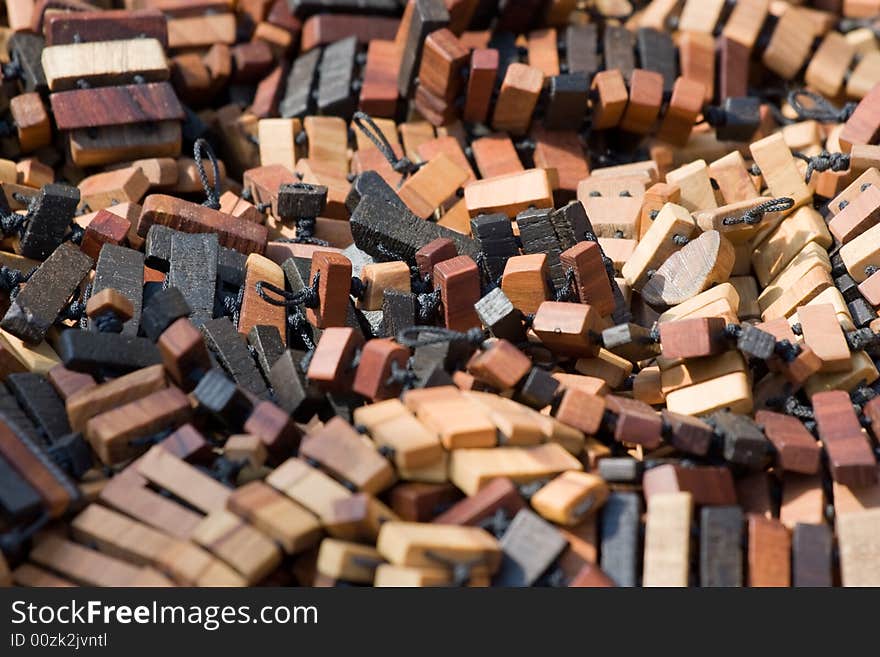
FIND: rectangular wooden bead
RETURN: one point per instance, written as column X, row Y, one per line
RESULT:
column 667, row 540
column 517, row 99
column 114, row 24
column 850, row 457
column 863, row 127
column 769, row 552
column 94, row 108
column 104, row 63
column 858, row 543
column 619, row 531
column 721, row 562
column 472, row 469
column 481, row 81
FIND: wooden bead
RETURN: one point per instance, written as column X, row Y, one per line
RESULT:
column 31, row 120
column 184, row 353
column 681, row 278
column 667, row 540
column 857, row 540
column 376, row 367
column 481, row 80
column 645, row 98
column 334, row 282
column 510, row 194
column 340, row 450
column 501, row 365
column 256, row 311
column 105, row 228
column 684, row 106
column 110, row 300
column 612, row 96
column 636, row 423
column 459, row 282
column 693, row 338
column 570, row 497
column 796, row 449
column 434, row 252
column 443, row 58
column 859, row 214
column 378, row 277
column 850, row 458
column 379, row 89
column 517, row 99
column 863, row 126
column 823, row 335
column 786, row 52
column 330, row 366
column 581, row 409
column 709, row 486
column 525, row 281
column 585, row 260
column 769, row 552
column 566, row 328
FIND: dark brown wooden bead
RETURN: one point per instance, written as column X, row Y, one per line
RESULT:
column 850, row 456
column 275, row 428
column 710, row 486
column 637, row 423
column 433, row 252
column 184, row 353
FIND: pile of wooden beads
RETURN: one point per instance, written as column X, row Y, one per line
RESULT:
column 440, row 293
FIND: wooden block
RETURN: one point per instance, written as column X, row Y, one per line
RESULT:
column 481, row 81
column 185, row 481
column 727, row 391
column 459, row 423
column 769, row 553
column 77, row 27
column 459, row 282
column 247, row 550
column 126, row 142
column 860, row 213
column 377, row 361
column 785, row 243
column 442, row 60
column 677, row 279
column 850, row 458
column 618, row 46
column 276, row 515
column 745, row 22
column 700, row 17
column 667, row 540
column 122, row 186
column 684, row 106
column 255, row 310
column 472, row 469
column 796, row 449
column 822, row 333
column 499, row 494
column 863, row 127
column 87, row 566
column 201, row 31
column 517, row 99
column 857, row 541
column 619, row 530
column 695, row 186
column 645, row 98
column 565, row 328
column 525, row 281
column 428, row 545
column 585, row 259
column 582, row 49
column 308, row 486
column 379, row 89
column 570, row 497
column 697, row 56
column 88, row 108
column 432, row 185
column 612, row 97
column 787, row 51
column 104, row 63
column 829, row 64
column 340, row 450
column 495, row 156
column 31, row 120
column 322, row 29
column 425, row 17
column 864, row 75
column 509, row 194
column 36, row 308
column 721, row 530
column 781, row 174
column 803, row 291
column 803, row 500
column 242, row 235
column 113, row 433
column 530, row 545
column 693, row 338
column 348, row 562
column 391, row 425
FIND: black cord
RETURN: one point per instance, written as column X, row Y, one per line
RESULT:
column 423, row 336
column 213, row 195
column 307, row 297
column 821, row 111
column 823, row 162
column 754, row 215
column 366, row 125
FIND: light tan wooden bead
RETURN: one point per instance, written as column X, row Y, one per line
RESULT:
column 781, row 174
column 859, row 544
column 667, row 540
column 381, row 276
column 570, row 497
column 696, row 188
column 471, row 469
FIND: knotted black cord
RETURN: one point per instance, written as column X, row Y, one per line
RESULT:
column 366, row 125
column 754, row 215
column 405, row 377
column 566, row 292
column 428, row 304
column 307, row 297
column 823, row 162
column 423, row 336
column 213, row 195
column 822, row 110
column 305, row 233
